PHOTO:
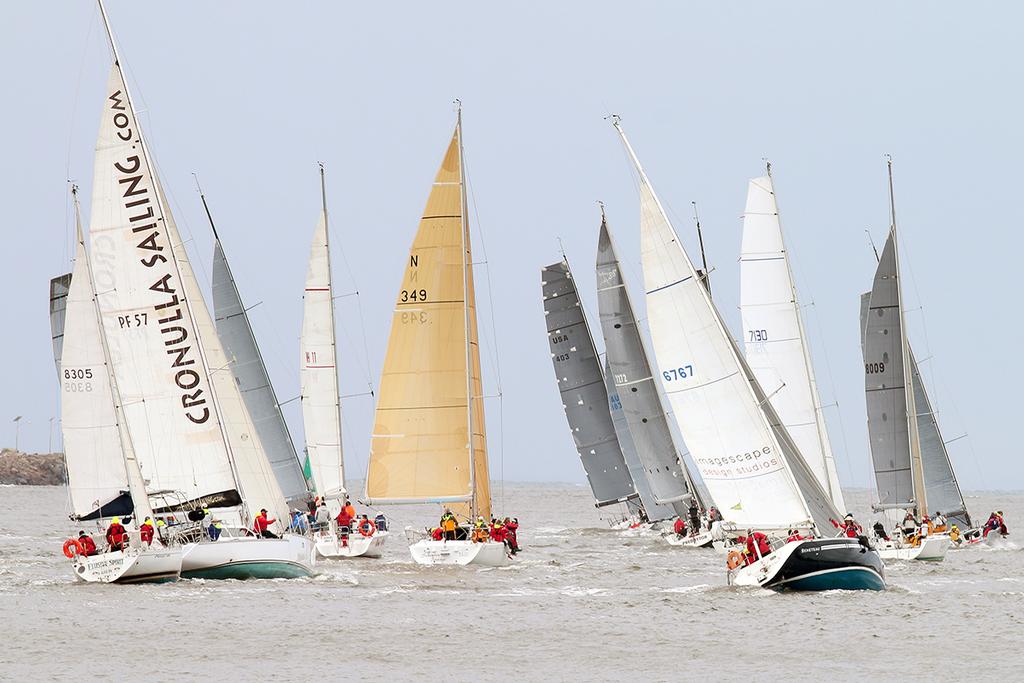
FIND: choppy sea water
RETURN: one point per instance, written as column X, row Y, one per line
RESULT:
column 582, row 602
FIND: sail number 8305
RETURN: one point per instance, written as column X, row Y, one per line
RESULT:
column 674, row 374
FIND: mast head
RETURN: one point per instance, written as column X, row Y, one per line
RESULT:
column 601, row 205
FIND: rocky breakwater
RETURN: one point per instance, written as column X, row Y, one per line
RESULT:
column 35, row 469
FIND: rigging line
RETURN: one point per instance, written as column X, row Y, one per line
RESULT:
column 69, row 238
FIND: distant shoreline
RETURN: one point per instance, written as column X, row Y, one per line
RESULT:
column 32, row 469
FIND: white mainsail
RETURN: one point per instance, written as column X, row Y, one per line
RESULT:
column 318, row 373
column 748, row 462
column 182, row 406
column 774, row 336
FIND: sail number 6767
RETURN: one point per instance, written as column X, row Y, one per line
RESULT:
column 674, row 374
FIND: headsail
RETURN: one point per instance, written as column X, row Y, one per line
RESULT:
column 581, row 384
column 753, row 471
column 632, row 374
column 428, row 441
column 318, row 372
column 236, row 334
column 653, row 511
column 774, row 336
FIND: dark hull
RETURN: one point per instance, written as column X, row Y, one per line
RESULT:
column 830, row 564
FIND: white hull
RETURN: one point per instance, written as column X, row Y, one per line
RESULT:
column 152, row 564
column 249, row 557
column 488, row 554
column 328, row 545
column 932, row 548
column 702, row 540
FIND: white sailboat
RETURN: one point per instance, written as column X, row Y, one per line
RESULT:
column 321, row 402
column 746, row 457
column 190, row 428
column 429, row 442
column 104, row 479
column 907, row 452
column 774, row 336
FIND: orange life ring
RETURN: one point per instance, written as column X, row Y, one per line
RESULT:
column 367, row 528
column 73, row 543
column 734, row 559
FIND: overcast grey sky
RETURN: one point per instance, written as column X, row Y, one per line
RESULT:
column 251, row 94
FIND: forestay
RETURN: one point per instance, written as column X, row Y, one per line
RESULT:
column 581, row 385
column 634, row 383
column 774, row 337
column 236, row 334
column 318, row 372
column 428, row 441
column 752, row 470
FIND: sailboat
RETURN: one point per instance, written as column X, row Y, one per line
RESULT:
column 581, row 384
column 429, row 441
column 646, row 417
column 104, row 479
column 909, row 457
column 744, row 453
column 321, row 402
column 189, row 426
column 774, row 336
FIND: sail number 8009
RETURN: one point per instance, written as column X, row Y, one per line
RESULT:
column 874, row 368
column 674, row 374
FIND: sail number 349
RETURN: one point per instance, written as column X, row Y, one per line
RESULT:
column 413, row 295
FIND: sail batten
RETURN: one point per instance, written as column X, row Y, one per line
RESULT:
column 429, row 437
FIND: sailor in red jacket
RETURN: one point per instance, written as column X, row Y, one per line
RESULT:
column 116, row 534
column 497, row 531
column 88, row 545
column 146, row 531
column 679, row 527
column 757, row 545
column 262, row 524
column 511, row 529
column 849, row 527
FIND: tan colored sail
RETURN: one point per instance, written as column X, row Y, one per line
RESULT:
column 420, row 447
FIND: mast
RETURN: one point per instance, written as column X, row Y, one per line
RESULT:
column 920, row 497
column 334, row 342
column 465, row 311
column 136, row 482
column 157, row 191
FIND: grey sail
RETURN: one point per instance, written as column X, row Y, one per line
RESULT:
column 943, row 490
column 59, row 287
column 239, row 342
column 884, row 386
column 652, row 510
column 631, row 372
column 582, row 388
column 939, row 480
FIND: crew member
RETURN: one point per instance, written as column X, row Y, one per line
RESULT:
column 262, row 525
column 909, row 529
column 381, row 521
column 448, row 525
column 497, row 531
column 344, row 520
column 511, row 534
column 88, row 545
column 879, row 529
column 954, row 534
column 756, row 545
column 116, row 534
column 436, row 533
column 161, row 531
column 679, row 527
column 794, row 535
column 849, row 527
column 694, row 518
column 146, row 531
column 215, row 529
column 939, row 524
column 322, row 519
column 350, row 509
column 479, row 530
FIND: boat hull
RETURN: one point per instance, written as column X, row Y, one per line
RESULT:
column 815, row 565
column 248, row 558
column 330, row 547
column 931, row 549
column 702, row 540
column 431, row 552
column 134, row 565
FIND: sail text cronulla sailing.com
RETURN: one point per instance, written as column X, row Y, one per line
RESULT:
column 139, row 201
